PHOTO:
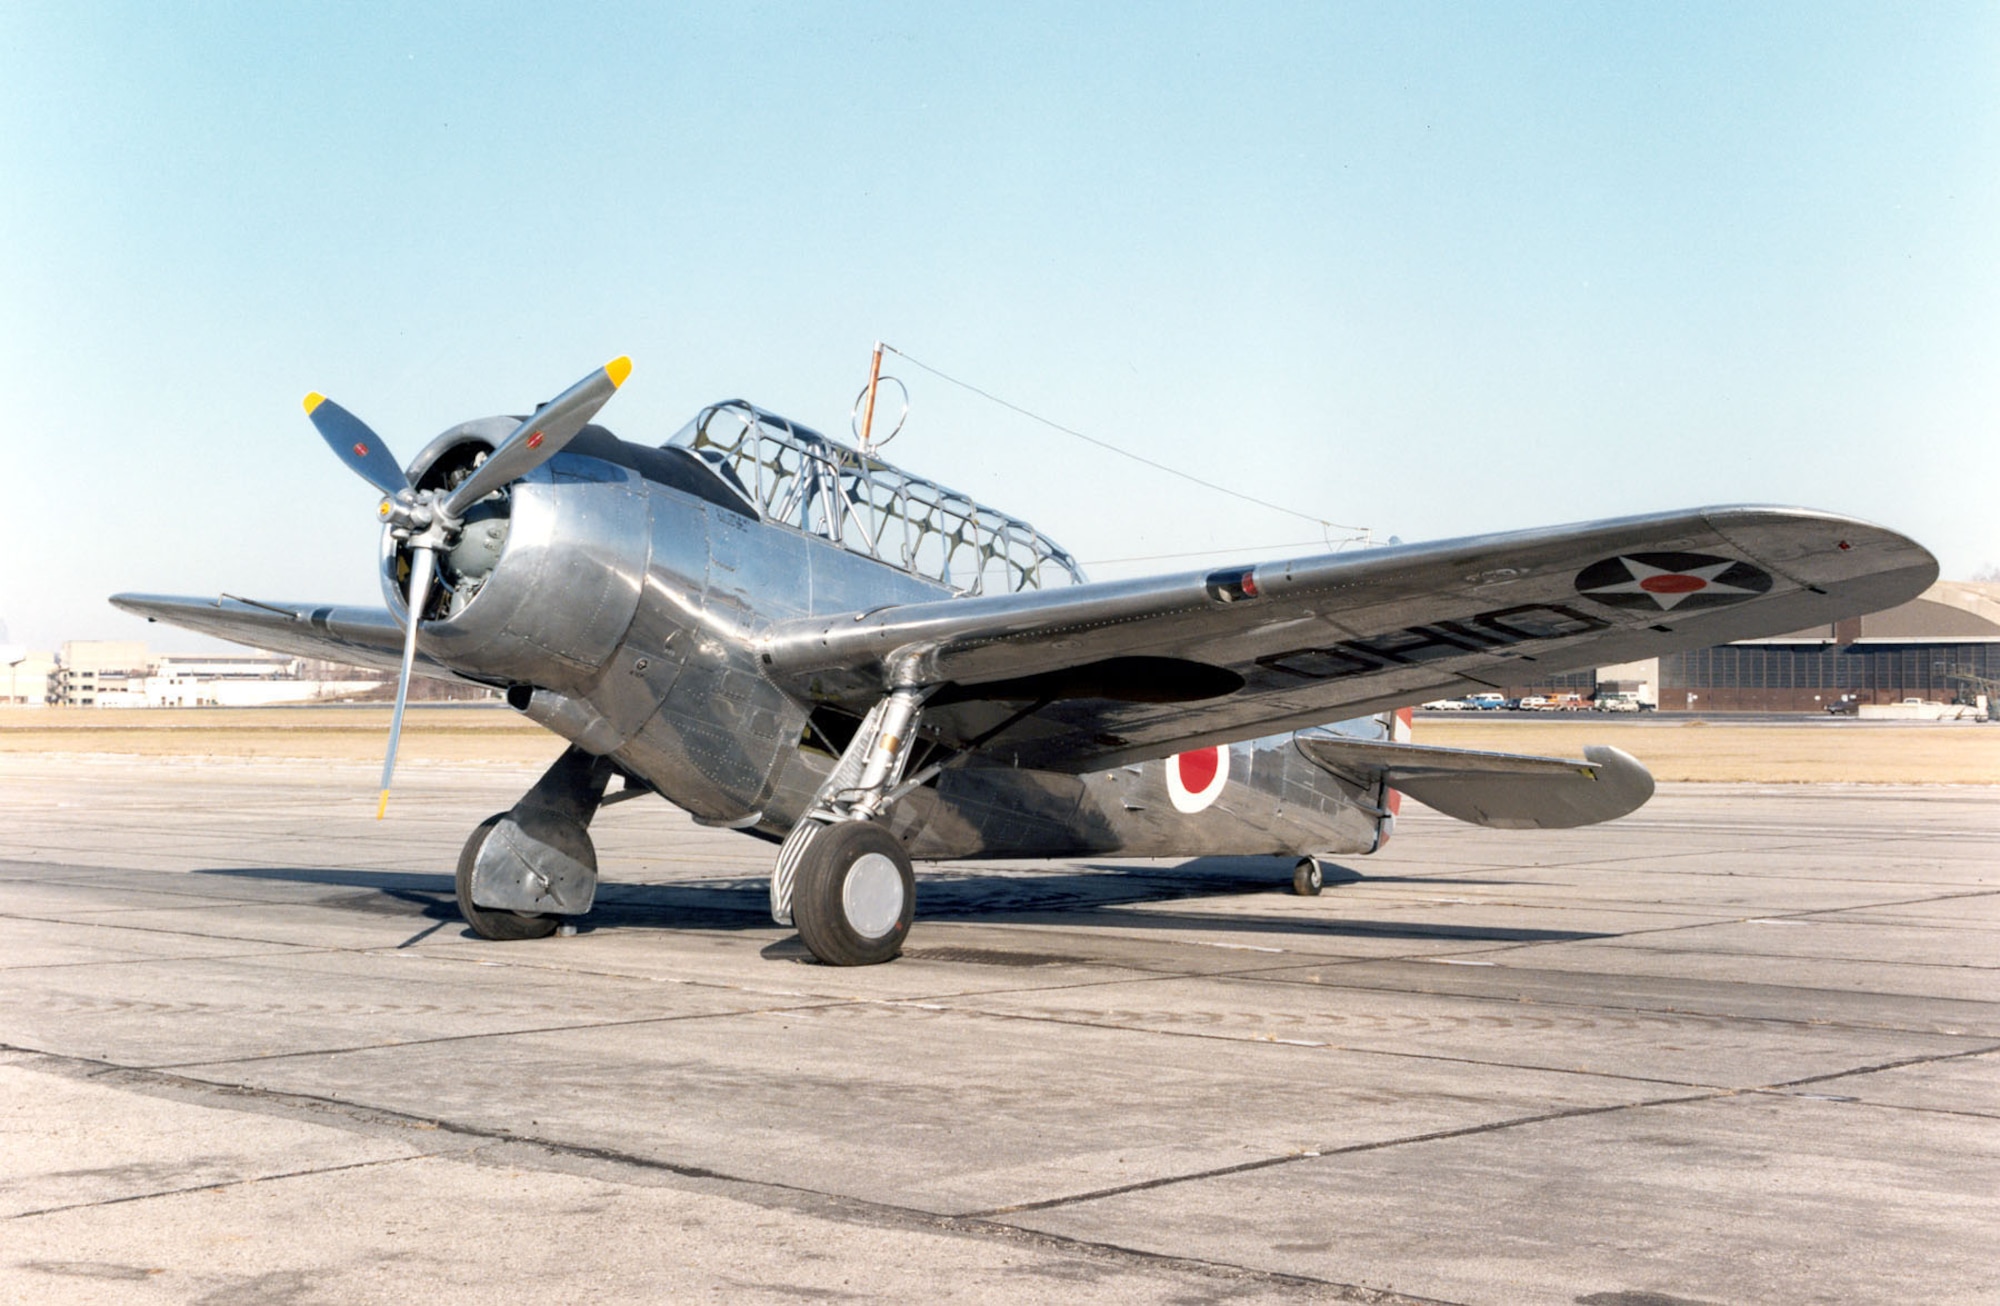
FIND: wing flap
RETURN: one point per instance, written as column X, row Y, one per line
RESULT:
column 1504, row 790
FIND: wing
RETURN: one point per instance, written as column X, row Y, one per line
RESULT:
column 361, row 637
column 1504, row 790
column 1098, row 675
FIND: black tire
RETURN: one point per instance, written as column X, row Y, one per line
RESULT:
column 1307, row 878
column 488, row 922
column 850, row 908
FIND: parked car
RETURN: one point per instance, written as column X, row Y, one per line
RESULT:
column 1486, row 702
column 1444, row 705
column 1532, row 703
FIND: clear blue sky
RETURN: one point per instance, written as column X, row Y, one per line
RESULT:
column 1430, row 269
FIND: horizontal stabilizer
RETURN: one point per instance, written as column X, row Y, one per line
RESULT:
column 1508, row 791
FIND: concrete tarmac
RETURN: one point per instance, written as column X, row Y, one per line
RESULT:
column 1741, row 1047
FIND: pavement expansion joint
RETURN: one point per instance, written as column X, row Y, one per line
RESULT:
column 181, row 934
column 529, row 1031
column 1293, row 1158
column 967, row 1007
column 1899, row 1063
column 242, row 1181
column 98, row 963
column 491, row 1147
column 1600, row 1004
column 1756, row 955
column 1305, row 1286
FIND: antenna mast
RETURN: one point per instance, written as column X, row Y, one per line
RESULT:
column 868, row 413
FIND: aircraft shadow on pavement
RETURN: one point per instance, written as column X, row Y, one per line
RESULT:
column 1080, row 894
column 384, row 892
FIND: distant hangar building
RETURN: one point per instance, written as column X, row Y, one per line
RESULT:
column 1942, row 645
column 125, row 673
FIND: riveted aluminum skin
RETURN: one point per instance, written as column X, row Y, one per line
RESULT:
column 560, row 599
column 721, row 728
column 702, row 721
column 1275, row 802
column 575, row 719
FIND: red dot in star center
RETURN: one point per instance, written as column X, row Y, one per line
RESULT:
column 1672, row 583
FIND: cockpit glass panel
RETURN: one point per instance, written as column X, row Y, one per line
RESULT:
column 797, row 477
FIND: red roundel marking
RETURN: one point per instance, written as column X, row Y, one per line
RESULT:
column 1672, row 583
column 1195, row 779
column 535, row 440
column 1198, row 768
column 360, row 450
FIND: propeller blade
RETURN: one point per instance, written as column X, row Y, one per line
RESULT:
column 422, row 563
column 354, row 444
column 541, row 437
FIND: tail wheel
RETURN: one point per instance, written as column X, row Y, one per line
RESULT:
column 1307, row 878
column 489, row 922
column 855, row 895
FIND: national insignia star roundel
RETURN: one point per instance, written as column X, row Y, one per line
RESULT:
column 1671, row 582
column 1196, row 778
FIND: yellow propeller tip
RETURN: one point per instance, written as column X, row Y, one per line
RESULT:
column 618, row 369
column 382, row 806
column 314, row 400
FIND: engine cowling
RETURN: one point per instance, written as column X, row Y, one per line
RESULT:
column 543, row 581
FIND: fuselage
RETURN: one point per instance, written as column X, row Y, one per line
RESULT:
column 618, row 594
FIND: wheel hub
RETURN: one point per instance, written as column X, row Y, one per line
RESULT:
column 872, row 897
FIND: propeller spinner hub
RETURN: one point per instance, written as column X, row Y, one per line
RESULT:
column 412, row 513
column 431, row 522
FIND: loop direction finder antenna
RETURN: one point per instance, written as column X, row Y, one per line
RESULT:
column 864, row 406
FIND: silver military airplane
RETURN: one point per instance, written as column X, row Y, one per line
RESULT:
column 793, row 638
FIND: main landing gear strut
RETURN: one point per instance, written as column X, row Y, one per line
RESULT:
column 841, row 877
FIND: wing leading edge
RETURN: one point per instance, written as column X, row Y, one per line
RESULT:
column 362, row 637
column 1118, row 672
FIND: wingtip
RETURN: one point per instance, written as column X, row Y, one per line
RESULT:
column 618, row 369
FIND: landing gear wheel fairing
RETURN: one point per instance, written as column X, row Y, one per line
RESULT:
column 490, row 923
